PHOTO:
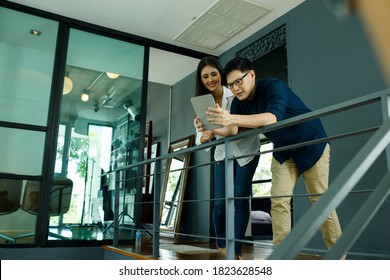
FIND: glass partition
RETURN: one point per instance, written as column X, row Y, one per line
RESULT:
column 27, row 51
column 19, row 157
column 27, row 46
column 99, row 132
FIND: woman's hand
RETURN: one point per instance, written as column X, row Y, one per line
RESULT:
column 198, row 125
column 207, row 136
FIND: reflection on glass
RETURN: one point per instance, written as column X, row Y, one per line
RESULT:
column 172, row 193
column 101, row 134
column 174, row 186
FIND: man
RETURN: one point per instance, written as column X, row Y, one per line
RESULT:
column 263, row 102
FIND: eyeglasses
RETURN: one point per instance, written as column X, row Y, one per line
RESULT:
column 237, row 82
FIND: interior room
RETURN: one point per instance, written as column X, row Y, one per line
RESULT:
column 98, row 136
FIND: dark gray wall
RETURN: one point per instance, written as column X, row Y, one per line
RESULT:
column 330, row 61
column 158, row 112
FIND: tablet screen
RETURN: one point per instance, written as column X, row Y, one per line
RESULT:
column 201, row 105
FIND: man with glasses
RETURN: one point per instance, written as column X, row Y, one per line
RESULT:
column 263, row 102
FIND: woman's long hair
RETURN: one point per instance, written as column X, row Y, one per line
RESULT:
column 212, row 61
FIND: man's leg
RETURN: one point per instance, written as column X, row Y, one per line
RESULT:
column 316, row 180
column 284, row 177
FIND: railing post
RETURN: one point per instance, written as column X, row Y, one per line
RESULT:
column 116, row 178
column 229, row 199
column 156, row 207
column 385, row 102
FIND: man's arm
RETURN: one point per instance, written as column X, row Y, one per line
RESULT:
column 226, row 131
column 224, row 118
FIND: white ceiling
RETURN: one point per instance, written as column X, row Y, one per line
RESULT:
column 160, row 20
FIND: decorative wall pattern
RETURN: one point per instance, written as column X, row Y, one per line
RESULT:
column 265, row 44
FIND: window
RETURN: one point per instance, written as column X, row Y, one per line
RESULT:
column 262, row 177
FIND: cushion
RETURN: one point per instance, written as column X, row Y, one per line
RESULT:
column 258, row 216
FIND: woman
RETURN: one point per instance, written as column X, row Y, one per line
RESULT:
column 211, row 80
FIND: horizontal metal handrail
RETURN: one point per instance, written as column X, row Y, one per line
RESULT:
column 343, row 106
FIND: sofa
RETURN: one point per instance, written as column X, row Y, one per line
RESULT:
column 260, row 220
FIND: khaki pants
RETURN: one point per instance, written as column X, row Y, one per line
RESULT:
column 284, row 178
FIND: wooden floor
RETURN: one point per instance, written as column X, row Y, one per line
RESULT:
column 259, row 251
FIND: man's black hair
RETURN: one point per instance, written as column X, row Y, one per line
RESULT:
column 238, row 63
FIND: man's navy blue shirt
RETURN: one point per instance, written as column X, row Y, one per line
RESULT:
column 274, row 96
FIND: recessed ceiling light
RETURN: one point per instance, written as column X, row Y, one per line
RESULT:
column 35, row 32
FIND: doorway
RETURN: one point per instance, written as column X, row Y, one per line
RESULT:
column 269, row 58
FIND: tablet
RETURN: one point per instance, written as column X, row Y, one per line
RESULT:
column 201, row 105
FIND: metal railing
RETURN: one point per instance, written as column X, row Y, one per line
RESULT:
column 311, row 221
